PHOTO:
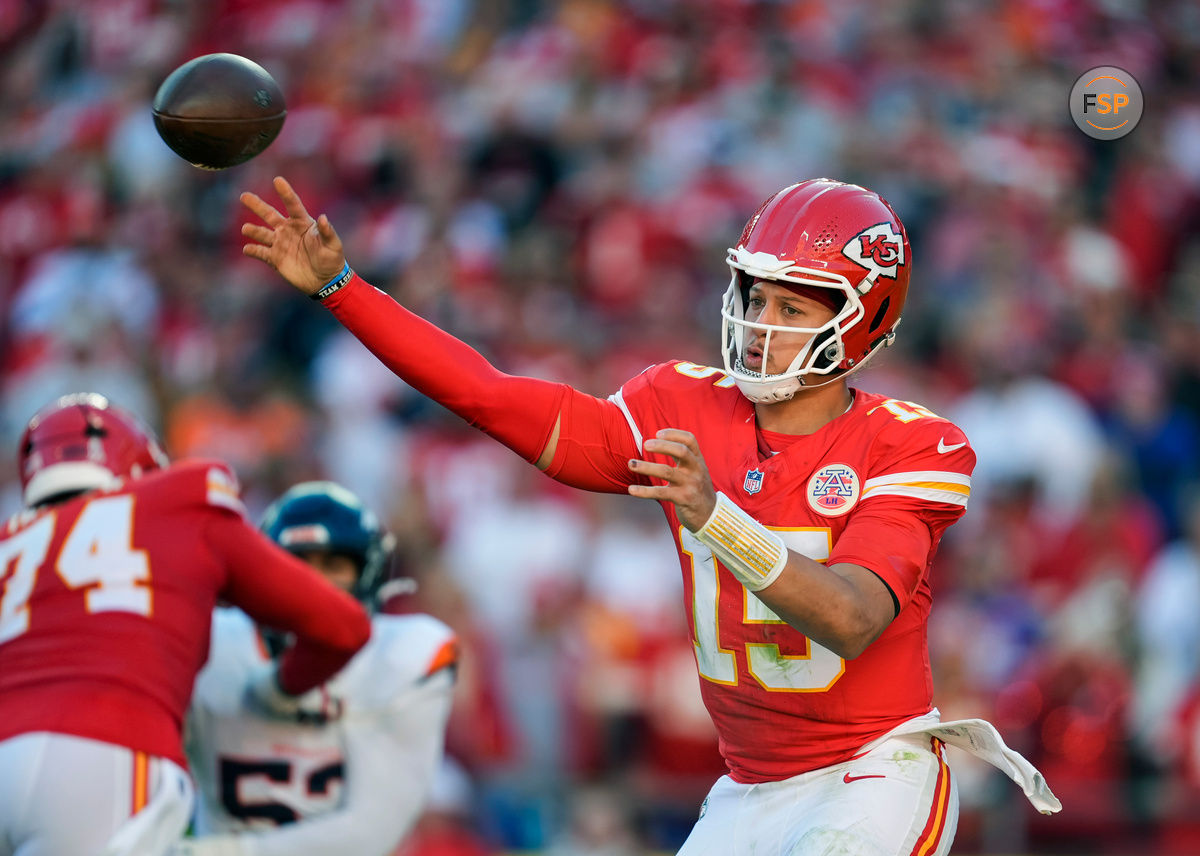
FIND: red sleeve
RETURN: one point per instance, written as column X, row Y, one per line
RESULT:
column 918, row 487
column 280, row 591
column 594, row 440
column 595, row 444
column 894, row 543
column 520, row 412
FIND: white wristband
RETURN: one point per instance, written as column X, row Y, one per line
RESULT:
column 754, row 553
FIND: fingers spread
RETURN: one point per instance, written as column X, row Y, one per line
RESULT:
column 265, row 212
column 258, row 251
column 678, row 435
column 667, row 472
column 258, row 233
column 291, row 199
column 644, row 491
column 328, row 234
column 670, row 448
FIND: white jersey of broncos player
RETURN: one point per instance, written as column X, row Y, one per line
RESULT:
column 355, row 785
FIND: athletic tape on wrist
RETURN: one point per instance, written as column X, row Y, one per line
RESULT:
column 335, row 284
column 754, row 553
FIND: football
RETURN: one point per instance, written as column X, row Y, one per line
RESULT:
column 219, row 110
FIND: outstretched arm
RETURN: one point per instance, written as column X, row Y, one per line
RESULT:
column 578, row 439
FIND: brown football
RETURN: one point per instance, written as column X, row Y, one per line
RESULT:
column 218, row 110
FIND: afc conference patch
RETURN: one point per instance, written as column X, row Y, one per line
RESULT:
column 833, row 490
column 754, row 480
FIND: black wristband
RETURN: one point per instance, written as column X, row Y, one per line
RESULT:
column 334, row 284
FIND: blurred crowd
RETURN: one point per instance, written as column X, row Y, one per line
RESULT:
column 556, row 183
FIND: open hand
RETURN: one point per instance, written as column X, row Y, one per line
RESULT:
column 306, row 252
column 688, row 484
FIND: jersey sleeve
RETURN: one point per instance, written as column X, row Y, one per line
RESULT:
column 200, row 484
column 417, row 648
column 919, row 488
column 278, row 590
column 594, row 445
column 640, row 404
column 598, row 436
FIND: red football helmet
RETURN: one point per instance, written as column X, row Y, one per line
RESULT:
column 81, row 442
column 821, row 234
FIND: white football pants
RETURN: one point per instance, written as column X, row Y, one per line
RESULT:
column 69, row 796
column 898, row 798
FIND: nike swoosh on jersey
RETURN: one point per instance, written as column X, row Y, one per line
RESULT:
column 943, row 448
column 848, row 778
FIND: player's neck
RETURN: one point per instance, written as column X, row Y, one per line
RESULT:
column 807, row 412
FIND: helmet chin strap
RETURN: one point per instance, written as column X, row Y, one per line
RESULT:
column 768, row 390
column 771, row 391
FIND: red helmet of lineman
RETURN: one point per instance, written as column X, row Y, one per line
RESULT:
column 819, row 234
column 81, row 442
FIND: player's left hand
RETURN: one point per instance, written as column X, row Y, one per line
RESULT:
column 688, row 484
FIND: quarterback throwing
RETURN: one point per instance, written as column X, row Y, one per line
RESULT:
column 806, row 513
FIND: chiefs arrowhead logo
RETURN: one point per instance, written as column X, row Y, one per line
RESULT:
column 879, row 249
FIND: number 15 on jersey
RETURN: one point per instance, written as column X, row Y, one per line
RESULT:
column 812, row 671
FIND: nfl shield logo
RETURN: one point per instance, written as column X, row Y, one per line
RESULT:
column 753, row 482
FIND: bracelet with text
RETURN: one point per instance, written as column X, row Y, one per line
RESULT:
column 754, row 553
column 335, row 284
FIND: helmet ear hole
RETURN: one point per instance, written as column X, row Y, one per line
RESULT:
column 744, row 282
column 880, row 314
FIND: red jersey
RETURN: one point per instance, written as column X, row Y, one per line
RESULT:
column 875, row 487
column 107, row 602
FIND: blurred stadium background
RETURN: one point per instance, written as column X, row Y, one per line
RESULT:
column 556, row 182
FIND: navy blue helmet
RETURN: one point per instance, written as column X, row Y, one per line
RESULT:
column 322, row 515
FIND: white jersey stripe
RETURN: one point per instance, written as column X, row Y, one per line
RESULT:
column 617, row 399
column 946, row 496
column 918, row 476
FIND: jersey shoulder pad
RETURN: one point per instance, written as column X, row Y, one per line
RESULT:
column 916, row 454
column 413, row 647
column 680, row 374
column 197, row 483
column 674, row 390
